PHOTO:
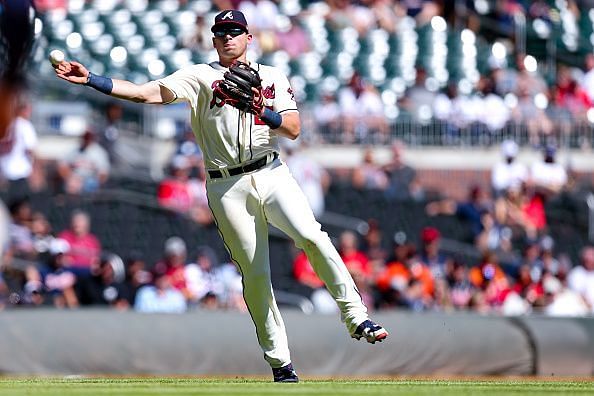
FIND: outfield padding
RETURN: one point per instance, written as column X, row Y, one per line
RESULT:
column 224, row 343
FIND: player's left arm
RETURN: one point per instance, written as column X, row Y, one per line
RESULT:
column 290, row 126
column 284, row 115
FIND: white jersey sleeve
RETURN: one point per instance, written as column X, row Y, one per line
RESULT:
column 285, row 99
column 184, row 84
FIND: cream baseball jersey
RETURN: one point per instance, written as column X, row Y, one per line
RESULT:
column 226, row 135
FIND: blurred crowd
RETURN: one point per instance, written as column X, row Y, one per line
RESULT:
column 70, row 269
column 519, row 269
column 421, row 277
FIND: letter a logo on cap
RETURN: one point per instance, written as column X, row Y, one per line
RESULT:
column 228, row 15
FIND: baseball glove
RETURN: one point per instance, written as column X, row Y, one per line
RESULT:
column 236, row 88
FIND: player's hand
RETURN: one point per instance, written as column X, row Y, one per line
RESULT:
column 258, row 102
column 73, row 72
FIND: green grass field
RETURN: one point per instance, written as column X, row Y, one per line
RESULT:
column 196, row 386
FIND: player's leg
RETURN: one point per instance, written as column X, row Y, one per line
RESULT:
column 241, row 223
column 286, row 208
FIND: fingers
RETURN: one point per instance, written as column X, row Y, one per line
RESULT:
column 63, row 68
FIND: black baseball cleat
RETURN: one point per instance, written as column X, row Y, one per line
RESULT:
column 285, row 374
column 371, row 331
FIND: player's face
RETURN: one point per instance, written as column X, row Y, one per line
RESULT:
column 231, row 44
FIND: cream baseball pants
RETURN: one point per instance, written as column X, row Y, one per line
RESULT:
column 242, row 206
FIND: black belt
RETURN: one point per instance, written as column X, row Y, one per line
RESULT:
column 238, row 170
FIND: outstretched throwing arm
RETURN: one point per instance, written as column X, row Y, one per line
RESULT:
column 151, row 92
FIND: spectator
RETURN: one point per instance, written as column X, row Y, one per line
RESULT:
column 431, row 254
column 508, row 173
column 402, row 178
column 419, row 100
column 402, row 268
column 305, row 275
column 173, row 265
column 362, row 112
column 469, row 211
column 136, row 276
column 17, row 147
column 522, row 211
column 563, row 301
column 548, row 176
column 445, row 110
column 581, row 278
column 42, row 233
column 460, row 288
column 487, row 270
column 354, row 259
column 58, row 281
column 111, row 131
column 311, row 176
column 105, row 284
column 494, row 236
column 495, row 113
column 369, row 175
column 160, row 297
column 304, row 272
column 85, row 169
column 230, row 278
column 571, row 96
column 528, row 287
column 21, row 242
column 373, row 245
column 537, row 122
column 202, row 278
column 327, row 115
column 85, row 247
column 182, row 193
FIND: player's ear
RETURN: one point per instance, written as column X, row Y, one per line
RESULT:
column 250, row 37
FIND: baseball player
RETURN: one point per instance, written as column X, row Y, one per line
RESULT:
column 238, row 112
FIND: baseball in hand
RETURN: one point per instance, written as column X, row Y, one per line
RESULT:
column 56, row 57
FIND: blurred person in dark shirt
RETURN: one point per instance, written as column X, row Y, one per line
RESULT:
column 111, row 131
column 460, row 288
column 470, row 210
column 402, row 178
column 58, row 281
column 105, row 284
column 136, row 275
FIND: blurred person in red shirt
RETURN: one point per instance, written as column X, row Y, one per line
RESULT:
column 85, row 247
column 173, row 265
column 355, row 260
column 529, row 288
column 304, row 272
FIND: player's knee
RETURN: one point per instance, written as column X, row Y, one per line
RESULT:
column 310, row 241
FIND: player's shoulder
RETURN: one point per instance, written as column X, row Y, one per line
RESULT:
column 267, row 70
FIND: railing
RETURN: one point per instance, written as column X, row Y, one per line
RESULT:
column 165, row 122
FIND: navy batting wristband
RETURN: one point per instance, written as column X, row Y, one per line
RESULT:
column 100, row 83
column 271, row 118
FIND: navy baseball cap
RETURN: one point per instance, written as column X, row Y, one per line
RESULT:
column 229, row 18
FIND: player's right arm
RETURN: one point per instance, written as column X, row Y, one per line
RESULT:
column 152, row 92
